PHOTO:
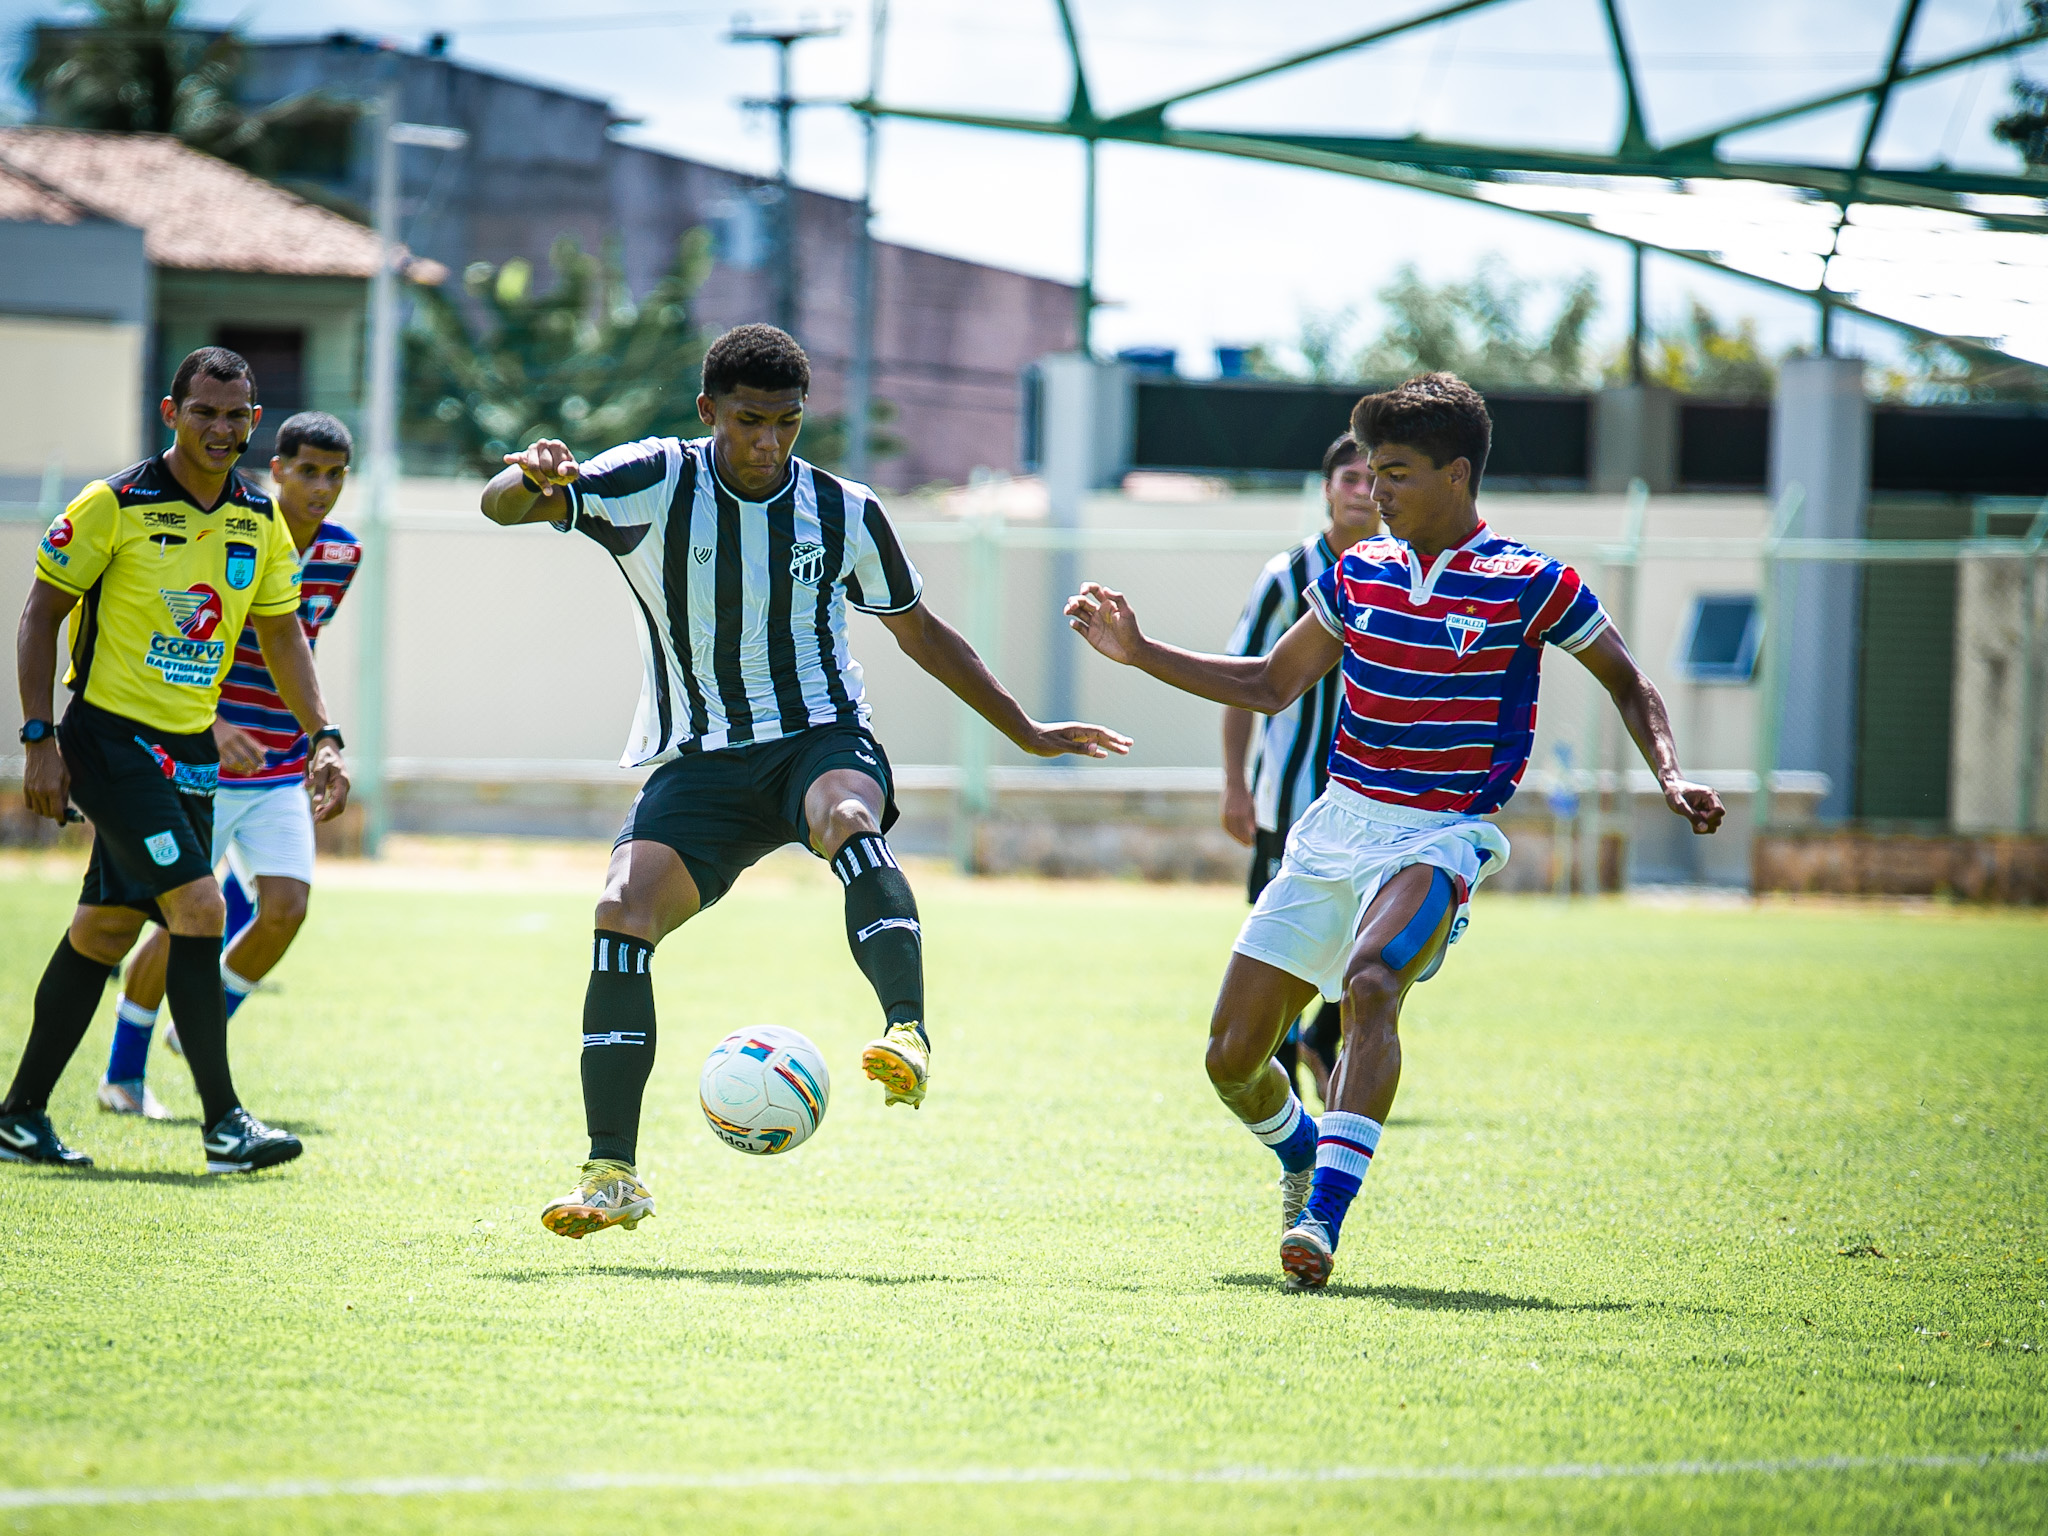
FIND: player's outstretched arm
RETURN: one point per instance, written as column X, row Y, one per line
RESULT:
column 509, row 499
column 1642, row 711
column 1266, row 684
column 944, row 652
column 290, row 661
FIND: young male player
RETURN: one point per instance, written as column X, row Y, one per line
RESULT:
column 1439, row 630
column 1293, row 754
column 162, row 562
column 261, row 810
column 742, row 559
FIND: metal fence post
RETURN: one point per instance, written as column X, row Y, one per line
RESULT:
column 1775, row 601
column 2029, row 785
column 984, row 624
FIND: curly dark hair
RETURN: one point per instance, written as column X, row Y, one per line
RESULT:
column 1438, row 413
column 757, row 355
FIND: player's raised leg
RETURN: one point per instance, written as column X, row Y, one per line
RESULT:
column 843, row 813
column 648, row 894
column 1402, row 937
column 1257, row 1003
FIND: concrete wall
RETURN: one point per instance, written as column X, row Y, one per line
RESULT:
column 1987, row 755
column 68, row 394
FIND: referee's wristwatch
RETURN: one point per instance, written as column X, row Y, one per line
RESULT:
column 326, row 733
column 33, row 731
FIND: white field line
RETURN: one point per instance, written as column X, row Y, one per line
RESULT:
column 599, row 1482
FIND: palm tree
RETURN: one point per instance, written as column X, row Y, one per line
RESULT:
column 135, row 68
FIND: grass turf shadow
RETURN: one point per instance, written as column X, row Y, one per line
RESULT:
column 1430, row 1299
column 719, row 1276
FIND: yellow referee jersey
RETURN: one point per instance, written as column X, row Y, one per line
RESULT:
column 163, row 590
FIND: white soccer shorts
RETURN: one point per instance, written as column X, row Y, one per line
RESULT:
column 1339, row 854
column 264, row 831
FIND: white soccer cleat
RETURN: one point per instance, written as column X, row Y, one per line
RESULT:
column 1294, row 1193
column 131, row 1098
column 1307, row 1254
column 609, row 1194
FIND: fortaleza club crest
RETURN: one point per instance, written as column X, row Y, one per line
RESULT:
column 807, row 563
column 1465, row 628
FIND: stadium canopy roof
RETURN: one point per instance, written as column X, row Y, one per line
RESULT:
column 1851, row 195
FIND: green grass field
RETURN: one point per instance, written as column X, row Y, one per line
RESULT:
column 1698, row 1185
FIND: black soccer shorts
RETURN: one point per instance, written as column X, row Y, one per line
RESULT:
column 149, row 796
column 1267, row 849
column 724, row 812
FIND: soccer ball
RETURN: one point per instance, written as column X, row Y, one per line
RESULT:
column 764, row 1090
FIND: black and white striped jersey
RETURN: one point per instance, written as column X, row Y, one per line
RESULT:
column 742, row 603
column 1290, row 750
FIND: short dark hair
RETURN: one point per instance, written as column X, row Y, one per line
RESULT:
column 757, row 355
column 212, row 363
column 1339, row 453
column 314, row 429
column 1437, row 412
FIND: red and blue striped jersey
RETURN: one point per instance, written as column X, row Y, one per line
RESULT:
column 1440, row 666
column 248, row 695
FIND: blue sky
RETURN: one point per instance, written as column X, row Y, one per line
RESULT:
column 1195, row 250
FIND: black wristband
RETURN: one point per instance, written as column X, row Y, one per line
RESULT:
column 528, row 481
column 328, row 733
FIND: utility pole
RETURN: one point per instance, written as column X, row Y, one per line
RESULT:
column 860, row 377
column 783, row 104
column 371, row 605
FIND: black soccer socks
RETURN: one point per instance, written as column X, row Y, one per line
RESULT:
column 192, row 988
column 881, row 926
column 65, row 999
column 618, row 1042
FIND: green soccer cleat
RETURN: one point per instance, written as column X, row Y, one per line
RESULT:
column 609, row 1194
column 901, row 1062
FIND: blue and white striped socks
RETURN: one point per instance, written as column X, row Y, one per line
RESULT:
column 1291, row 1134
column 1345, row 1144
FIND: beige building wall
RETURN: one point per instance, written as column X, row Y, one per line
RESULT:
column 67, row 395
column 1987, row 756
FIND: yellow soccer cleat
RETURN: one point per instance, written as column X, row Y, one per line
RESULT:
column 901, row 1062
column 608, row 1195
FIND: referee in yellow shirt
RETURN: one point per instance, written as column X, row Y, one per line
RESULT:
column 159, row 565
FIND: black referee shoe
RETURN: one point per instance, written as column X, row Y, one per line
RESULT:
column 240, row 1143
column 29, row 1138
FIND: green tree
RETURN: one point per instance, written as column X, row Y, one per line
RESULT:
column 1704, row 357
column 1478, row 328
column 1941, row 373
column 2025, row 128
column 136, row 68
column 583, row 362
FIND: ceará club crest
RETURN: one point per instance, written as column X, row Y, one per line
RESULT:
column 807, row 563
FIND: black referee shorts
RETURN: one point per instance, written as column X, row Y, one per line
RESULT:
column 149, row 796
column 1267, row 848
column 725, row 811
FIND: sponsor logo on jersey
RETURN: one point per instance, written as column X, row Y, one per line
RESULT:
column 197, row 610
column 700, row 555
column 56, row 555
column 1505, row 565
column 59, row 534
column 163, row 848
column 806, row 563
column 313, row 611
column 1465, row 628
column 247, row 525
column 162, row 517
column 241, row 569
column 336, row 551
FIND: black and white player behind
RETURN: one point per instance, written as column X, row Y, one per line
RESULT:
column 742, row 559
